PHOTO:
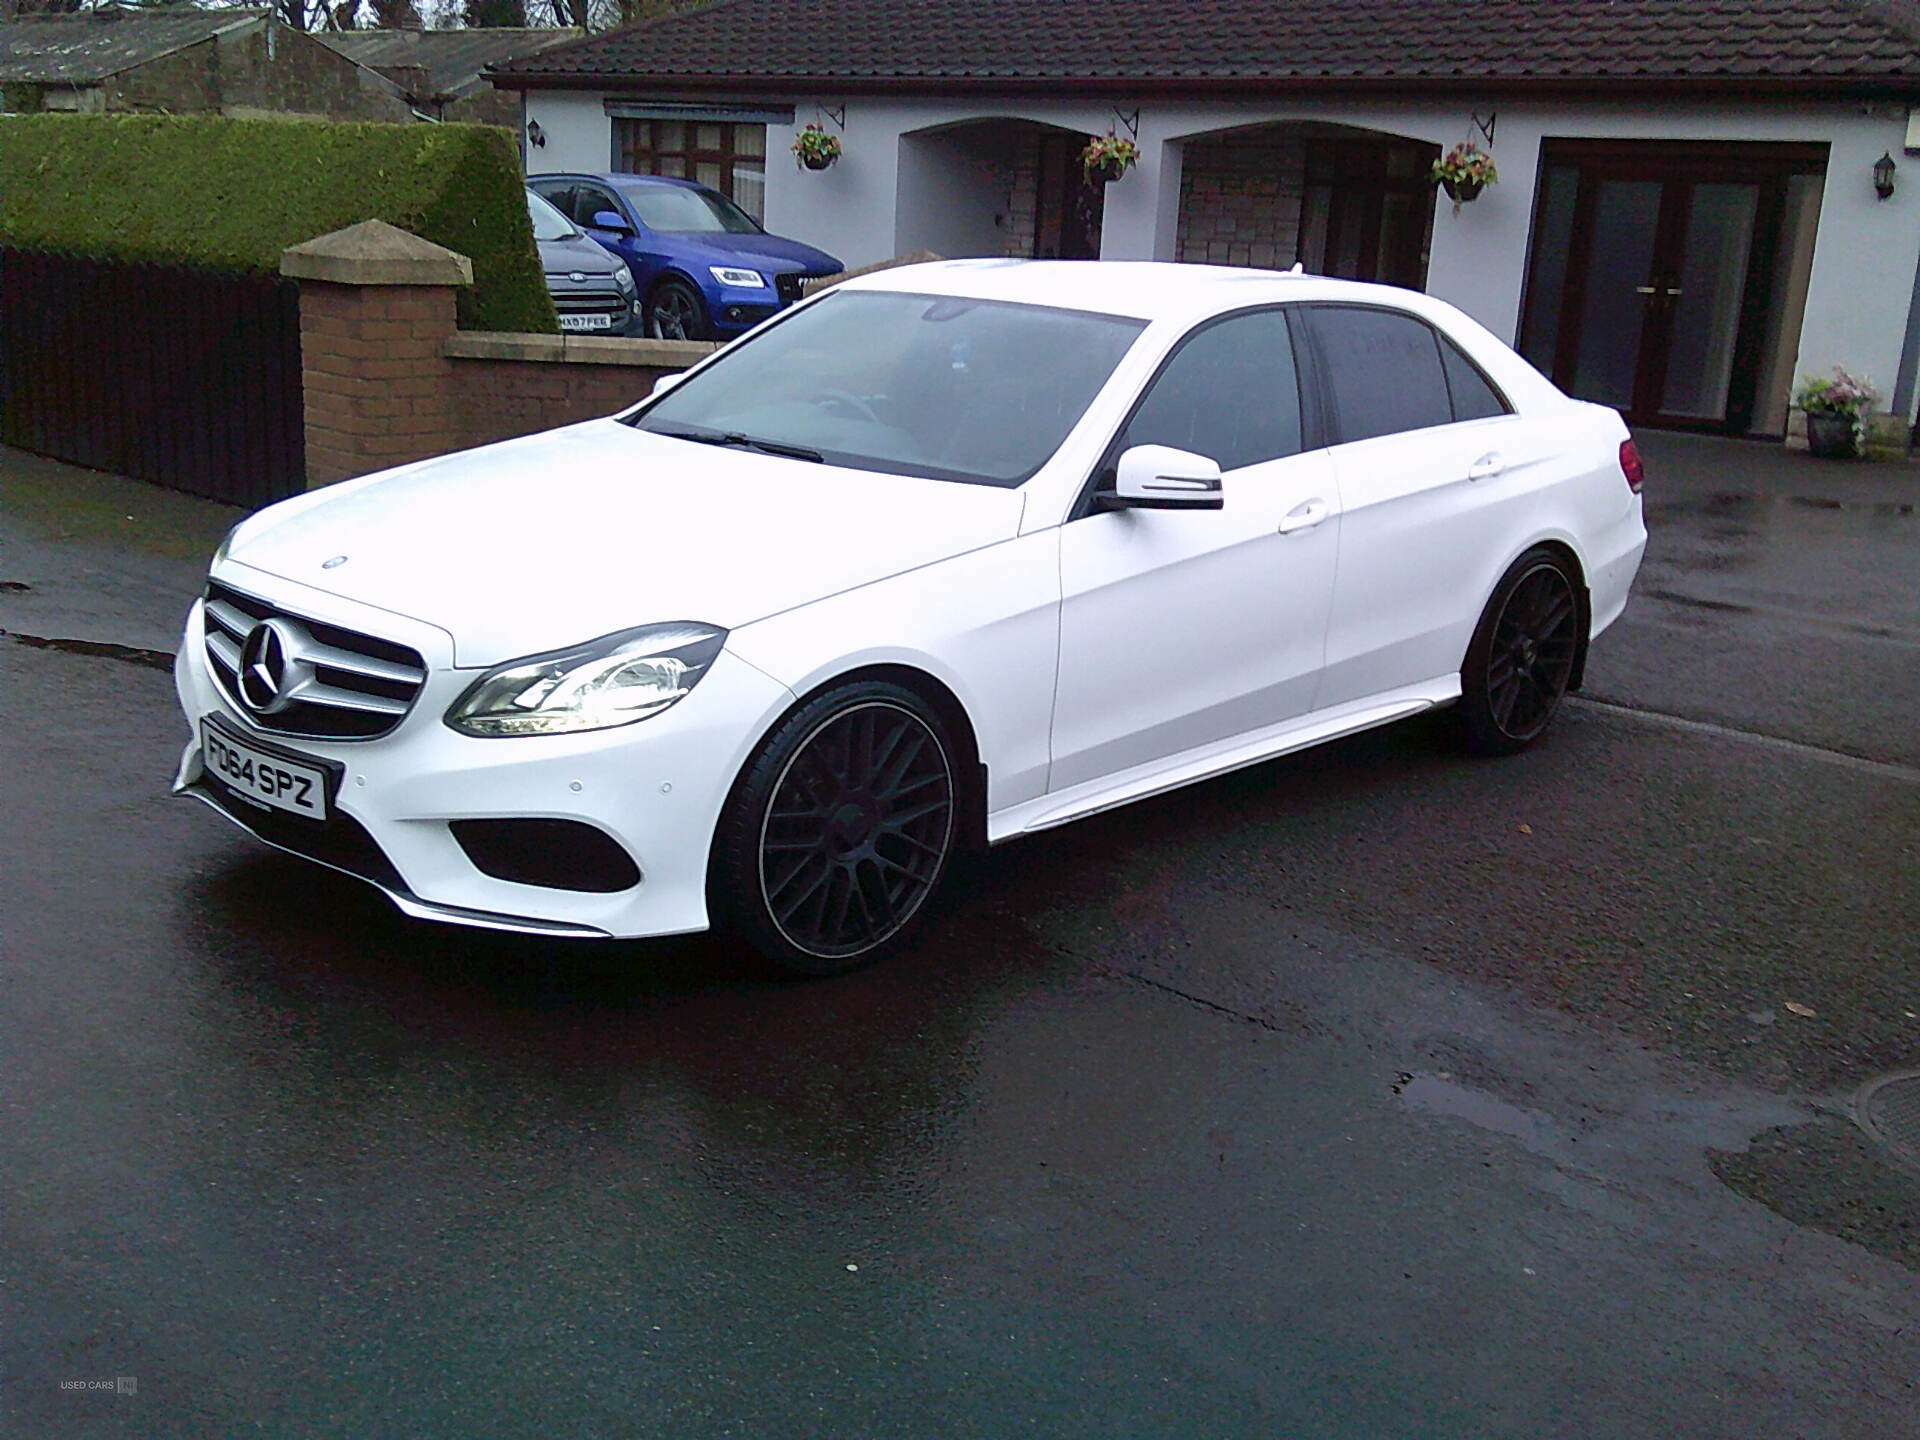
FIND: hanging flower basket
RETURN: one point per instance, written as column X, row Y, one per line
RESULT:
column 1107, row 158
column 1463, row 172
column 815, row 147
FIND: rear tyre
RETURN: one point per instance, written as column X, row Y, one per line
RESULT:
column 675, row 311
column 840, row 830
column 1522, row 655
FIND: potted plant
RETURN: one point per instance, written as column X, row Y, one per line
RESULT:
column 1107, row 158
column 815, row 148
column 1463, row 172
column 1836, row 410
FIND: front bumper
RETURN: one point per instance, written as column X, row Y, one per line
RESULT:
column 734, row 312
column 656, row 787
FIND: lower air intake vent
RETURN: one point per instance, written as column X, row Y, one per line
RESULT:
column 556, row 854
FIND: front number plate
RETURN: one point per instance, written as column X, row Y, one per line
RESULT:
column 586, row 322
column 273, row 780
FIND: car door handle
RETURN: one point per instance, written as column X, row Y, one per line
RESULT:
column 1487, row 466
column 1304, row 516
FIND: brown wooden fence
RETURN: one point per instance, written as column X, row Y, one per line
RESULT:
column 177, row 376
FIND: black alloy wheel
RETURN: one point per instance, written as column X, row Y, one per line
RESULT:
column 840, row 829
column 1522, row 656
column 675, row 312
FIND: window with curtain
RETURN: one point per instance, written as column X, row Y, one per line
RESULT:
column 730, row 156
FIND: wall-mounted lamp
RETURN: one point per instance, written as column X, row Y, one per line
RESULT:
column 1883, row 169
column 537, row 137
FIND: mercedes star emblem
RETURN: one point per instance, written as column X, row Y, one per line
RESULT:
column 270, row 666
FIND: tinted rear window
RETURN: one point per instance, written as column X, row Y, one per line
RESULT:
column 1384, row 370
column 1473, row 397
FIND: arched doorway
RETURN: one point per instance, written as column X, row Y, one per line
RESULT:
column 998, row 187
column 1336, row 199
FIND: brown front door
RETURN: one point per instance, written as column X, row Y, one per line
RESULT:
column 1070, row 209
column 1367, row 210
column 1655, row 275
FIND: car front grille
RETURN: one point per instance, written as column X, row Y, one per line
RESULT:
column 793, row 284
column 329, row 684
column 590, row 302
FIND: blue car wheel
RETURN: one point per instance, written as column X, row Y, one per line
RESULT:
column 675, row 312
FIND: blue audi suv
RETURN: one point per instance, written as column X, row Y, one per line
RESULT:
column 704, row 268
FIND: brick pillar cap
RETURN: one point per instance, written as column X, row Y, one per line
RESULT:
column 375, row 253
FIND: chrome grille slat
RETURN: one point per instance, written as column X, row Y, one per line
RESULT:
column 316, row 692
column 332, row 683
column 234, row 621
column 335, row 659
column 225, row 651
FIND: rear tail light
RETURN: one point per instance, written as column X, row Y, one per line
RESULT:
column 1631, row 467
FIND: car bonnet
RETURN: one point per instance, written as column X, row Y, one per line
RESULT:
column 548, row 540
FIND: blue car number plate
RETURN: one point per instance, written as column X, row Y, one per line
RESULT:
column 272, row 779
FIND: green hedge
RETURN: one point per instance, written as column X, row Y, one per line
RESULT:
column 217, row 194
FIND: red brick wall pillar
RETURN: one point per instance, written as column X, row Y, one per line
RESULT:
column 376, row 312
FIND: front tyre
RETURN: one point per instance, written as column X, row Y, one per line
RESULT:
column 675, row 311
column 839, row 830
column 1521, row 658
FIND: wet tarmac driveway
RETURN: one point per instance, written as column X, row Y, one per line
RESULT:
column 1371, row 1093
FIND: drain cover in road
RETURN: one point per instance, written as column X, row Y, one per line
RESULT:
column 1890, row 1109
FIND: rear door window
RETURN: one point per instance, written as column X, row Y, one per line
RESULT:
column 556, row 193
column 1384, row 371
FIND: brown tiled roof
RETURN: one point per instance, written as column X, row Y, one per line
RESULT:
column 1211, row 46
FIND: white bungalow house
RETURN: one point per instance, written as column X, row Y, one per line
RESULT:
column 1689, row 211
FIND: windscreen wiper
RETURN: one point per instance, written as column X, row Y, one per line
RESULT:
column 736, row 440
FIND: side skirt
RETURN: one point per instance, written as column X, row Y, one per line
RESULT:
column 1205, row 761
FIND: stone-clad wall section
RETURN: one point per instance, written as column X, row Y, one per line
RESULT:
column 1240, row 202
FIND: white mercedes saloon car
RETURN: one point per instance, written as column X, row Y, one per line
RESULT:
column 944, row 556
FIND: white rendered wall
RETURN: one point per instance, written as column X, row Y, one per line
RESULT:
column 579, row 134
column 874, row 204
column 952, row 198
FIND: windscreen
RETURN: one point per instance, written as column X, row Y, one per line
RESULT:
column 950, row 389
column 679, row 210
column 548, row 223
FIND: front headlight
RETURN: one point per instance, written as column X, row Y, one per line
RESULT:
column 614, row 680
column 740, row 279
column 623, row 277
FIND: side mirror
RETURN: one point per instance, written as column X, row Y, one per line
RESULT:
column 610, row 220
column 664, row 383
column 1158, row 477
